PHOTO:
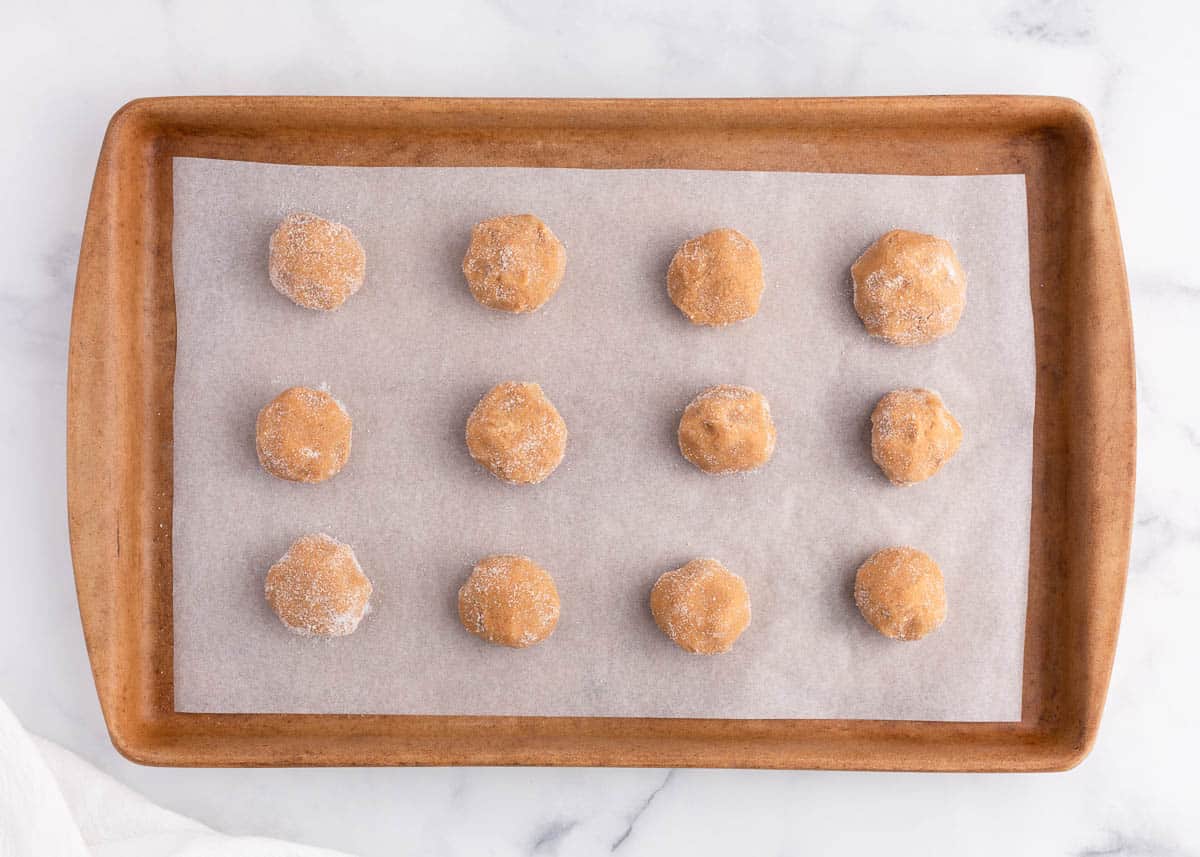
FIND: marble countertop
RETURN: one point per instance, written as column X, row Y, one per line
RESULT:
column 66, row 67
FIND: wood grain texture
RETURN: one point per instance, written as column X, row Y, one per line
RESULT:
column 120, row 386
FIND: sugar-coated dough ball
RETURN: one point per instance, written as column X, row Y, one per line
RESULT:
column 514, row 263
column 716, row 279
column 318, row 588
column 316, row 262
column 516, row 433
column 702, row 607
column 899, row 590
column 913, row 435
column 909, row 288
column 727, row 429
column 303, row 435
column 509, row 600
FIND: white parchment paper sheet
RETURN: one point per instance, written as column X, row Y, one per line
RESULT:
column 412, row 353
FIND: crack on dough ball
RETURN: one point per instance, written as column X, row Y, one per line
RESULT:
column 716, row 279
column 303, row 435
column 514, row 263
column 702, row 607
column 899, row 590
column 509, row 600
column 516, row 433
column 727, row 429
column 318, row 588
column 913, row 435
column 909, row 288
column 316, row 262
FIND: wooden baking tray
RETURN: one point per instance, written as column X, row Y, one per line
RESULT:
column 122, row 357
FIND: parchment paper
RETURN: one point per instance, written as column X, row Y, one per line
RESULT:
column 412, row 353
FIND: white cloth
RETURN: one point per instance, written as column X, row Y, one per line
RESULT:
column 54, row 804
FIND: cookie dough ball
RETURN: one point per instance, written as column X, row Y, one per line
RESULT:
column 516, row 433
column 318, row 588
column 913, row 435
column 316, row 262
column 515, row 263
column 702, row 607
column 899, row 591
column 727, row 429
column 909, row 288
column 509, row 600
column 716, row 279
column 303, row 435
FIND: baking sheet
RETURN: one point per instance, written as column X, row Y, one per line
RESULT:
column 411, row 353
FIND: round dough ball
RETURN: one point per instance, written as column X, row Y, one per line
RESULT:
column 509, row 600
column 303, row 435
column 516, row 433
column 316, row 262
column 909, row 288
column 913, row 435
column 716, row 279
column 899, row 590
column 702, row 607
column 515, row 263
column 318, row 588
column 727, row 429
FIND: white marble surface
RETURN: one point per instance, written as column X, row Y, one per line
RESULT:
column 64, row 68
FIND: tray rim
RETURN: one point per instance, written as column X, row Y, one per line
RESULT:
column 108, row 419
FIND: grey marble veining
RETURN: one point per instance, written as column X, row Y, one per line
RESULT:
column 65, row 67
